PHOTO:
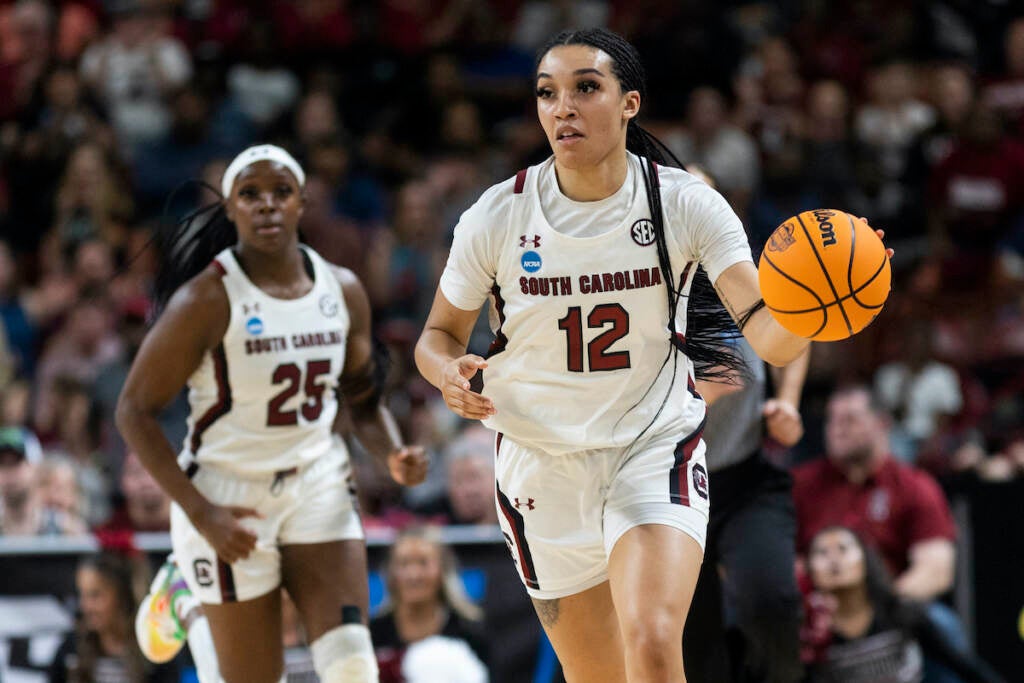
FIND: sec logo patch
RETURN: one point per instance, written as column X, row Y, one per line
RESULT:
column 642, row 232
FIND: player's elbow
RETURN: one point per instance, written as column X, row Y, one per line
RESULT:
column 127, row 413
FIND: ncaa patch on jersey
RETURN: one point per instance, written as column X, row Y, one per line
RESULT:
column 531, row 261
column 642, row 232
column 254, row 326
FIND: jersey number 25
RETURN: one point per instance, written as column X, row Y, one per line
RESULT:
column 290, row 375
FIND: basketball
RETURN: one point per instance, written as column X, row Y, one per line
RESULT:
column 824, row 274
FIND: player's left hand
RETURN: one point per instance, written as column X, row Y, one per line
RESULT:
column 783, row 422
column 408, row 465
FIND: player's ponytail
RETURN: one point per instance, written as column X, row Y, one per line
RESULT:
column 189, row 245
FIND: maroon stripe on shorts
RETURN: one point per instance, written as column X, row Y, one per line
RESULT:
column 517, row 524
column 678, row 486
column 227, row 582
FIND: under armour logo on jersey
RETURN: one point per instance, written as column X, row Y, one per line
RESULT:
column 642, row 232
column 532, row 241
column 528, row 504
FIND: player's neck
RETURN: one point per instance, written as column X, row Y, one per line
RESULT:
column 593, row 183
column 270, row 269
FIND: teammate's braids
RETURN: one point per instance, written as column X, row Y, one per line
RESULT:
column 709, row 327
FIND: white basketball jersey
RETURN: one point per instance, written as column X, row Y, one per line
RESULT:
column 265, row 399
column 581, row 323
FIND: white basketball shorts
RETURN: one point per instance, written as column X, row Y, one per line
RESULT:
column 562, row 514
column 314, row 504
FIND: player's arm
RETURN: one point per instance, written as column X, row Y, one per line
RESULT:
column 362, row 386
column 931, row 570
column 740, row 293
column 782, row 411
column 442, row 359
column 192, row 324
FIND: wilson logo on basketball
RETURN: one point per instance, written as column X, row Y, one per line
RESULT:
column 828, row 232
column 528, row 504
column 782, row 239
column 642, row 232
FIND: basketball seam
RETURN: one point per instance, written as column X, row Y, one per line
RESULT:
column 828, row 278
column 849, row 272
column 823, row 307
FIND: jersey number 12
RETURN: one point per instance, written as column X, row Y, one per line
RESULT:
column 598, row 356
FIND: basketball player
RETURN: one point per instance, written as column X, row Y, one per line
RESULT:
column 265, row 332
column 602, row 488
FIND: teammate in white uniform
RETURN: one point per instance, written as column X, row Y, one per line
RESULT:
column 601, row 484
column 266, row 334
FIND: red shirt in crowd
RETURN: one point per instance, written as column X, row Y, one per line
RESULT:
column 894, row 508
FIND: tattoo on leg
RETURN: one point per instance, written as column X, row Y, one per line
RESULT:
column 547, row 611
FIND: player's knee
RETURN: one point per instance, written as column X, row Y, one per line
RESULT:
column 345, row 655
column 653, row 637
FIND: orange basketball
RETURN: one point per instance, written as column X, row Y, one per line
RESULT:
column 824, row 274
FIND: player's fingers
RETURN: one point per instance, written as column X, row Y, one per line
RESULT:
column 469, row 365
column 880, row 233
column 471, row 411
column 471, row 398
column 239, row 512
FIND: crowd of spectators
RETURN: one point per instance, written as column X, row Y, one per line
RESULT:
column 402, row 111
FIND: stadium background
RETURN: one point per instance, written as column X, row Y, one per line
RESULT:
column 908, row 112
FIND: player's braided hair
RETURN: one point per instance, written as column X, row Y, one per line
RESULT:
column 709, row 328
column 189, row 245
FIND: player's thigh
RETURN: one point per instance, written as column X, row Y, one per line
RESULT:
column 584, row 630
column 323, row 578
column 247, row 637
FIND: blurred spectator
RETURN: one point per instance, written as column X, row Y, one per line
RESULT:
column 540, row 19
column 355, row 196
column 60, row 491
column 425, row 598
column 405, row 261
column 920, row 392
column 334, row 237
column 316, row 118
column 470, row 462
column 726, row 152
column 79, row 436
column 898, row 508
column 26, row 49
column 134, row 69
column 103, row 647
column 145, row 507
column 976, row 194
column 872, row 633
column 1005, row 94
column 830, row 154
column 85, row 343
column 110, row 379
column 263, row 88
column 195, row 138
column 90, row 204
column 23, row 511
column 886, row 127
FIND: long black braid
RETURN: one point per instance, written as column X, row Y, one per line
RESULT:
column 710, row 330
column 187, row 246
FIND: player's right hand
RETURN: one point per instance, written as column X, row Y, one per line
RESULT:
column 220, row 526
column 455, row 388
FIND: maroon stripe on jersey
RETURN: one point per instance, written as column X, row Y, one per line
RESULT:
column 520, row 182
column 500, row 340
column 680, row 339
column 227, row 582
column 518, row 526
column 223, row 404
column 678, row 486
column 497, row 443
column 219, row 267
column 657, row 174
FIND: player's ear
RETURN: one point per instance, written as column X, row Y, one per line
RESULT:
column 632, row 104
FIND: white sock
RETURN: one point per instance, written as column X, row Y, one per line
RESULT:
column 200, row 644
